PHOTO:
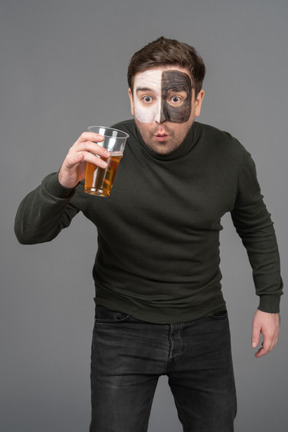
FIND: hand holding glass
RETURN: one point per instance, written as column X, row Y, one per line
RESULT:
column 99, row 181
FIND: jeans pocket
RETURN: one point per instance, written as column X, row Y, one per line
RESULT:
column 105, row 315
column 218, row 316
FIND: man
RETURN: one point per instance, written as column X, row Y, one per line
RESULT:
column 159, row 305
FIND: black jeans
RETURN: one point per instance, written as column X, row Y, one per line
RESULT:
column 129, row 355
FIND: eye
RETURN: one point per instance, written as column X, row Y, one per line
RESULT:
column 147, row 99
column 176, row 100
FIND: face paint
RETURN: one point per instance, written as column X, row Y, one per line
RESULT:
column 173, row 83
column 148, row 85
column 162, row 96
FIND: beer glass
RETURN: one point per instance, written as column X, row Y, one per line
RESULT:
column 99, row 181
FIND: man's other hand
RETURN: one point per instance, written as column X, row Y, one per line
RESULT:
column 267, row 324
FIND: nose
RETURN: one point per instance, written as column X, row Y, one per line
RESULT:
column 162, row 118
column 162, row 115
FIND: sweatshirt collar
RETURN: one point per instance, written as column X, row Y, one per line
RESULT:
column 184, row 148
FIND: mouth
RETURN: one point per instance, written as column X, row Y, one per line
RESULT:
column 161, row 137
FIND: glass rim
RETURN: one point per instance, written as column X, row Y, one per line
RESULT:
column 124, row 134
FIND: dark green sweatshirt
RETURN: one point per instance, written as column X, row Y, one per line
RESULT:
column 158, row 232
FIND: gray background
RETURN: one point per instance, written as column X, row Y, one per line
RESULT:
column 63, row 67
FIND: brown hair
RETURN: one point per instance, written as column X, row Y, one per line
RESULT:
column 165, row 52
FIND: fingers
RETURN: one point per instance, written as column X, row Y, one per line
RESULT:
column 88, row 147
column 87, row 152
column 85, row 149
column 90, row 136
column 266, row 347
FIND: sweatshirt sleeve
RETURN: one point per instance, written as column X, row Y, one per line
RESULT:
column 254, row 225
column 44, row 212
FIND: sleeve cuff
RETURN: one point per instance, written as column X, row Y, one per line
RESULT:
column 269, row 303
column 54, row 187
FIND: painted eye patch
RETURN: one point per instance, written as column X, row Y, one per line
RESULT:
column 162, row 96
column 178, row 82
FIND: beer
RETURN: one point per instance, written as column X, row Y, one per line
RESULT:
column 99, row 181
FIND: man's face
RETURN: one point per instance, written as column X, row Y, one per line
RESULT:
column 164, row 106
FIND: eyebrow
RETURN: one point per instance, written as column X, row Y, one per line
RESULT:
column 143, row 89
column 174, row 90
column 175, row 87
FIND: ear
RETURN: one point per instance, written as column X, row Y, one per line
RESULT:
column 198, row 102
column 131, row 101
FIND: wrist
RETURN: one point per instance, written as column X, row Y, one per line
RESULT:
column 55, row 188
column 65, row 182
